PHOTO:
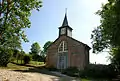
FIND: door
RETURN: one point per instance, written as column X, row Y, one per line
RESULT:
column 62, row 60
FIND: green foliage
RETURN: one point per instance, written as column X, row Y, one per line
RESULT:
column 71, row 71
column 5, row 56
column 14, row 18
column 51, row 68
column 98, row 71
column 35, row 49
column 107, row 34
column 46, row 45
column 116, row 59
column 18, row 55
column 44, row 51
column 27, row 59
column 38, row 58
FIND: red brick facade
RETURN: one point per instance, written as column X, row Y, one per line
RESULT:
column 78, row 53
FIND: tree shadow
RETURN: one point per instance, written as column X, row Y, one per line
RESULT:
column 64, row 79
column 43, row 70
column 28, row 65
column 36, row 69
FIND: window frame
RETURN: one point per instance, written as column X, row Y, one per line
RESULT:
column 64, row 46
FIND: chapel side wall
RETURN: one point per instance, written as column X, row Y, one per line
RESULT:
column 77, row 55
column 86, row 57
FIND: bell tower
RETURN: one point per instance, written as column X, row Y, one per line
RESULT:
column 65, row 29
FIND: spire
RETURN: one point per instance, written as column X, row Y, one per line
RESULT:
column 65, row 21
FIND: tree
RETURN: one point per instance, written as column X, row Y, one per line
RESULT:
column 26, row 59
column 46, row 45
column 14, row 18
column 22, row 54
column 5, row 56
column 35, row 51
column 43, row 53
column 107, row 35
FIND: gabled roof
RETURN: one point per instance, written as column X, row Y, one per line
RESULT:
column 80, row 42
column 74, row 40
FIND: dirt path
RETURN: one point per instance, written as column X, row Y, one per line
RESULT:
column 9, row 75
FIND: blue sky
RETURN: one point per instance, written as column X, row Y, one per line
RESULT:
column 81, row 17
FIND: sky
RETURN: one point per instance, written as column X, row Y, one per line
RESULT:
column 81, row 17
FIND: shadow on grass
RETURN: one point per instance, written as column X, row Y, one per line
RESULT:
column 36, row 69
column 28, row 65
column 43, row 70
column 46, row 72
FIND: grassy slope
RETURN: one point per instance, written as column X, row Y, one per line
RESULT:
column 14, row 67
column 18, row 67
column 34, row 63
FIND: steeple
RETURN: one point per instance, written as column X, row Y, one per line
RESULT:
column 65, row 29
column 65, row 21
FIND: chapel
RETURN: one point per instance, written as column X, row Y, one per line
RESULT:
column 66, row 51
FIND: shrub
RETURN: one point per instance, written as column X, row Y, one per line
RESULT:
column 71, row 71
column 26, row 59
column 5, row 56
column 12, row 59
column 51, row 68
column 97, row 71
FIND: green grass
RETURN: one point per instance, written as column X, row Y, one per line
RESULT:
column 18, row 62
column 15, row 67
column 85, row 80
column 32, row 63
column 36, row 63
column 93, row 79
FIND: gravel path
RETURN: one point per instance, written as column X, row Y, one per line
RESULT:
column 9, row 75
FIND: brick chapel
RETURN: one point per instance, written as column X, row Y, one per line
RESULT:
column 66, row 51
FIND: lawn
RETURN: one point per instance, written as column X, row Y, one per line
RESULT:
column 12, row 66
column 32, row 68
column 85, row 80
column 92, row 79
column 15, row 67
column 32, row 63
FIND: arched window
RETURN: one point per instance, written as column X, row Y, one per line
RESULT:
column 63, row 47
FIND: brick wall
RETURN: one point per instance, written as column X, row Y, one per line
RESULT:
column 78, row 55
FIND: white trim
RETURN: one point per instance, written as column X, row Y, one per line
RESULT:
column 63, row 48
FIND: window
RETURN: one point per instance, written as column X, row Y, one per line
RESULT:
column 63, row 30
column 63, row 47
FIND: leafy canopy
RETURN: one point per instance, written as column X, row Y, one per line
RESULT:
column 14, row 18
column 46, row 45
column 35, row 49
column 107, row 35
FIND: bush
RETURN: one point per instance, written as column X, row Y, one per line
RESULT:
column 71, row 71
column 97, row 71
column 51, row 68
column 26, row 59
column 5, row 56
column 12, row 59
